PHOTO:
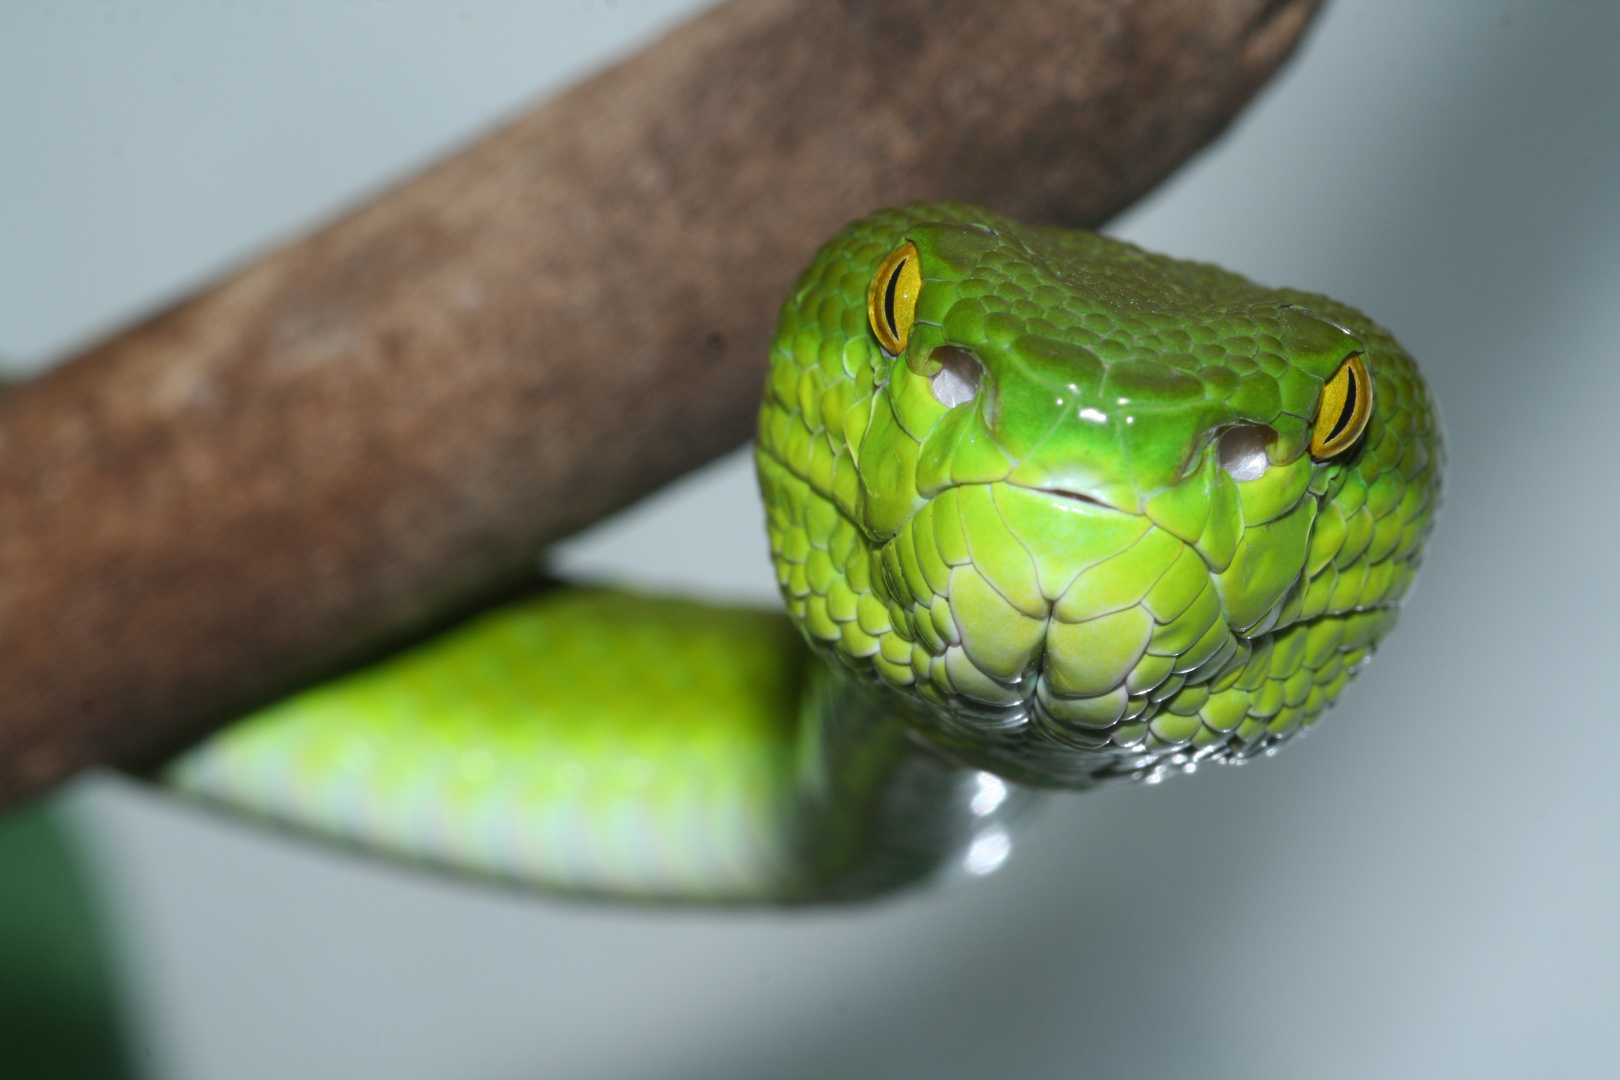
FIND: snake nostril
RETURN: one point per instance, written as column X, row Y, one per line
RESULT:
column 957, row 380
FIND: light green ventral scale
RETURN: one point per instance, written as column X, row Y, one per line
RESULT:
column 1046, row 510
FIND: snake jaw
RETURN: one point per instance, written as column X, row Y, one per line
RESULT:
column 1065, row 652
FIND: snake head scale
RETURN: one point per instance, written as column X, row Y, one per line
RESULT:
column 1087, row 512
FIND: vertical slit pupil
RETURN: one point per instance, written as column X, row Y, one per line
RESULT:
column 888, row 298
column 1349, row 408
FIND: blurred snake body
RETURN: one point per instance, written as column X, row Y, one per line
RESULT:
column 1046, row 510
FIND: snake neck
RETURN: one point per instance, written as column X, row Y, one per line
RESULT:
column 877, row 808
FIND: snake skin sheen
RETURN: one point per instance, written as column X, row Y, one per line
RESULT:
column 1094, row 514
column 1059, row 573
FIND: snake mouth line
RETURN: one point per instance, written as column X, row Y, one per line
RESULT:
column 1077, row 496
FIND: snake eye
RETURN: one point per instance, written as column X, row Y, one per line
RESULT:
column 1344, row 409
column 891, row 299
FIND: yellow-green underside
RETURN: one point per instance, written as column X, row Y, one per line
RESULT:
column 584, row 739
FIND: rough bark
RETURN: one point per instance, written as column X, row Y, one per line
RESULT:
column 381, row 425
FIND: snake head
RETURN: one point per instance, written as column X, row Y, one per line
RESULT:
column 1090, row 512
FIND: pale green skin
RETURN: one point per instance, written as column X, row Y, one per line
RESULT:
column 1056, row 582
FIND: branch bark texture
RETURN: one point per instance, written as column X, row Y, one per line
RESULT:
column 382, row 424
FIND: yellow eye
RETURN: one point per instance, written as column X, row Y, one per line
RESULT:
column 891, row 299
column 1344, row 409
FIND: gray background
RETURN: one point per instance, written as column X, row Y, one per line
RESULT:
column 1427, row 887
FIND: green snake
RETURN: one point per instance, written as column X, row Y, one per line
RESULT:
column 1046, row 510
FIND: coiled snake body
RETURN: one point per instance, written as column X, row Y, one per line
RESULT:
column 1046, row 510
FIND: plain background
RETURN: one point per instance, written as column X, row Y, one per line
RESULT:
column 1427, row 887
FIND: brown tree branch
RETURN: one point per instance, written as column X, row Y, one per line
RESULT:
column 382, row 424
